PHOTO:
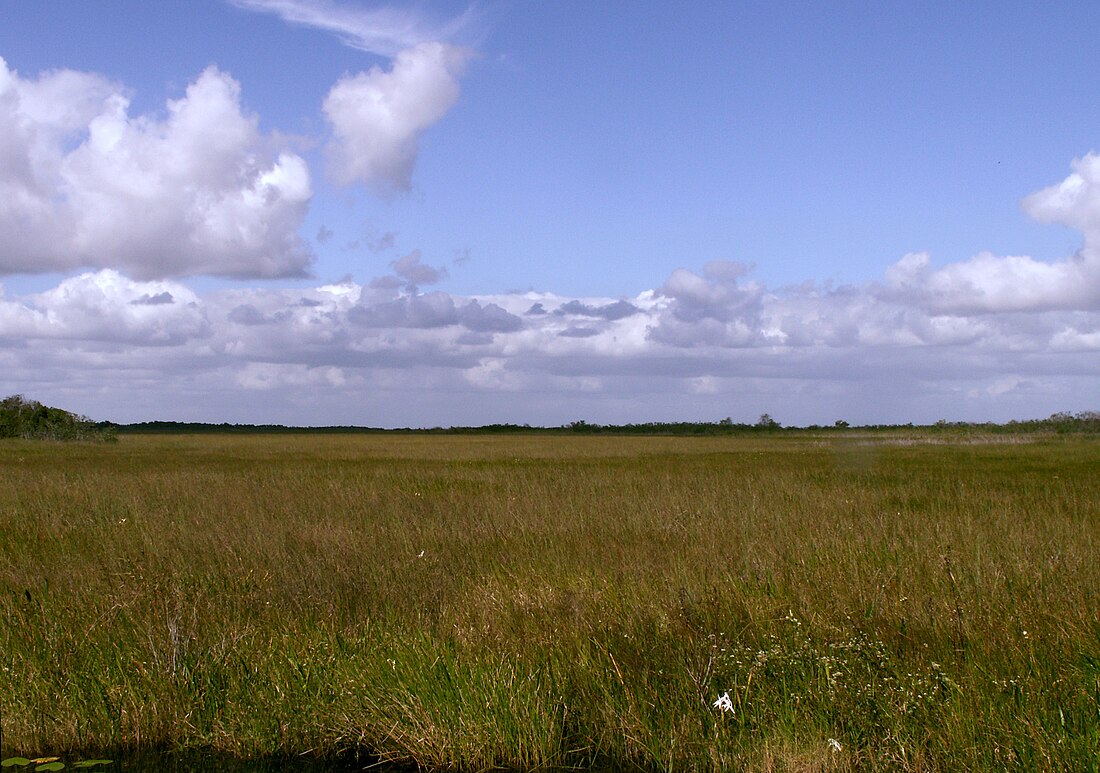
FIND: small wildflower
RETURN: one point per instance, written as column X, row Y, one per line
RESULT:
column 724, row 703
column 834, row 744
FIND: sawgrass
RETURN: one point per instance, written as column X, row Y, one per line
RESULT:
column 866, row 603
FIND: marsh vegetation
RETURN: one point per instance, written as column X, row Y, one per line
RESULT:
column 542, row 602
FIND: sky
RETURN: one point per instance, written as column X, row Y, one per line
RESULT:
column 445, row 213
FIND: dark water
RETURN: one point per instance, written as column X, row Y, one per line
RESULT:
column 208, row 763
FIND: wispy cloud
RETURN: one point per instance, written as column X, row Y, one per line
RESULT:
column 384, row 31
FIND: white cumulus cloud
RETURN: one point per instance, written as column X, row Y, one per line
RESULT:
column 378, row 116
column 83, row 184
column 106, row 306
column 988, row 283
column 1074, row 202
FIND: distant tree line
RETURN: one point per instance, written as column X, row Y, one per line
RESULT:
column 30, row 419
column 721, row 427
column 1061, row 423
column 200, row 428
column 23, row 418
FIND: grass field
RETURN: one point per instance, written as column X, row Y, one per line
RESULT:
column 520, row 602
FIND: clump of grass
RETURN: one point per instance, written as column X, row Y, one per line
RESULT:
column 535, row 602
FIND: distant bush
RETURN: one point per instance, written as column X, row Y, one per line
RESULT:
column 767, row 422
column 1085, row 421
column 30, row 419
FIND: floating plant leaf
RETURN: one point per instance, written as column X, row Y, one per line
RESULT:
column 11, row 762
column 92, row 763
column 51, row 766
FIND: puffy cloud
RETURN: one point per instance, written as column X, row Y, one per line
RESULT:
column 434, row 310
column 991, row 284
column 578, row 331
column 426, row 310
column 377, row 116
column 489, row 318
column 988, row 283
column 84, row 184
column 159, row 299
column 382, row 243
column 714, row 295
column 712, row 309
column 1074, row 202
column 265, row 376
column 609, row 311
column 414, row 272
column 247, row 314
column 493, row 375
column 106, row 306
column 387, row 283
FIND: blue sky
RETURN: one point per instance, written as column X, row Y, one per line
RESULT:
column 875, row 211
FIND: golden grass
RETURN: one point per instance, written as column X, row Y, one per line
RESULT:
column 537, row 601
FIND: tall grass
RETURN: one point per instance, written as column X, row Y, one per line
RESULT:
column 539, row 602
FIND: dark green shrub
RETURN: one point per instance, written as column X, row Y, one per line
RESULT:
column 30, row 419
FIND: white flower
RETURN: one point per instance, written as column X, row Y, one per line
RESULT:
column 834, row 744
column 724, row 703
